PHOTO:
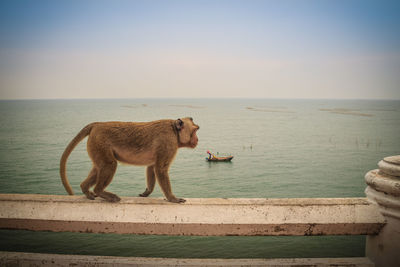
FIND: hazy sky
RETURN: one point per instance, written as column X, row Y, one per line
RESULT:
column 136, row 49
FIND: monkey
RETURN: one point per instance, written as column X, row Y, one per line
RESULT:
column 153, row 144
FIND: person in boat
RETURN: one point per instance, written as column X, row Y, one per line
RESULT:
column 210, row 156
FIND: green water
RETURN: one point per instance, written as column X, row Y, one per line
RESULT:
column 282, row 148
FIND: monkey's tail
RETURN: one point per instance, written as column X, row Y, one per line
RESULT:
column 63, row 162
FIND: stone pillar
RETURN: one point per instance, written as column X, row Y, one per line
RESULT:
column 384, row 190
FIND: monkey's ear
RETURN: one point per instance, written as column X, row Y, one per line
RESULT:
column 179, row 124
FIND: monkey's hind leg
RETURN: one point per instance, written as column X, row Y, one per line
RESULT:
column 105, row 175
column 151, row 181
column 88, row 183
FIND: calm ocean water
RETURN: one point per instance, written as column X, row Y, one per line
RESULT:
column 282, row 148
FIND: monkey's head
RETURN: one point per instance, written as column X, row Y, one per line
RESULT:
column 187, row 132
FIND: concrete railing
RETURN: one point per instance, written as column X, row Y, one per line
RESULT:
column 200, row 217
column 377, row 216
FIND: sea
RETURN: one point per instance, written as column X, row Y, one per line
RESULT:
column 282, row 148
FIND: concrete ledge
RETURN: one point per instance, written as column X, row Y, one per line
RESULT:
column 202, row 217
column 35, row 259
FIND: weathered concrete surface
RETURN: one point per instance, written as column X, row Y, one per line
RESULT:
column 203, row 217
column 384, row 190
column 34, row 259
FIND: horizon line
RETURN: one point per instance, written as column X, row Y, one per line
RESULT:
column 195, row 98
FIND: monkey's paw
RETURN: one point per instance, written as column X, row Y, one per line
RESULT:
column 146, row 193
column 114, row 199
column 177, row 200
column 90, row 195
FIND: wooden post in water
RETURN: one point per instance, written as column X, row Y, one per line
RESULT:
column 384, row 190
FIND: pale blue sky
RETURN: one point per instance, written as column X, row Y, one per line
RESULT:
column 136, row 49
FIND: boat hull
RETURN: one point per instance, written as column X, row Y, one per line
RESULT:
column 220, row 159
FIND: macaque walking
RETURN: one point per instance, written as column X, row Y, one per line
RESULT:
column 152, row 144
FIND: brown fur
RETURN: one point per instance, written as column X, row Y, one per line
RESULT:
column 152, row 144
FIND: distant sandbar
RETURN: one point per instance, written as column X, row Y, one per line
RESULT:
column 133, row 106
column 278, row 110
column 186, row 106
column 345, row 111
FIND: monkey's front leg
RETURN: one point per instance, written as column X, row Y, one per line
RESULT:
column 151, row 181
column 163, row 181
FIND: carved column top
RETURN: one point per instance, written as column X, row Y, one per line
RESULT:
column 390, row 166
column 386, row 179
column 384, row 186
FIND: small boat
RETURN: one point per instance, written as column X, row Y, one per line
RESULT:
column 214, row 158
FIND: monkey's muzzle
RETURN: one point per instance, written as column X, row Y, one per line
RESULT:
column 194, row 139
